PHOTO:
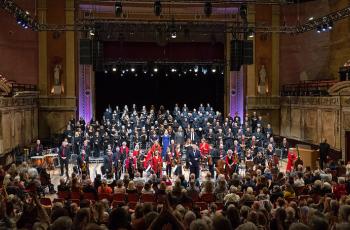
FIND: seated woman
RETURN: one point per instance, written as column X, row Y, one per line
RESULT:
column 340, row 188
column 289, row 192
column 147, row 189
column 119, row 188
column 104, row 188
column 131, row 187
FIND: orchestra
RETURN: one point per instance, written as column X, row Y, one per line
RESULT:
column 153, row 142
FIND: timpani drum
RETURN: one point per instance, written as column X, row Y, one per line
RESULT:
column 49, row 159
column 37, row 161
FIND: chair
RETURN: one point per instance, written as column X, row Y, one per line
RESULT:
column 132, row 197
column 147, row 198
column 75, row 195
column 161, row 199
column 220, row 205
column 89, row 196
column 45, row 201
column 132, row 205
column 119, row 197
column 207, row 197
column 63, row 195
column 102, row 196
column 194, row 197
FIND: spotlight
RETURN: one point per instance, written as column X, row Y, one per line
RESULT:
column 145, row 68
column 213, row 69
column 157, row 8
column 135, row 74
column 208, row 8
column 166, row 74
column 173, row 34
column 173, row 70
column 319, row 29
column 155, row 69
column 195, row 69
column 132, row 69
column 106, row 71
column 118, row 8
column 324, row 27
column 114, row 69
column 204, row 70
column 311, row 18
column 123, row 71
column 330, row 25
column 250, row 33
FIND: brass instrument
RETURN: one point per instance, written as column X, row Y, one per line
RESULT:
column 83, row 168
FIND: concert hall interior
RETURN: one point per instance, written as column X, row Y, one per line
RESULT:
column 175, row 114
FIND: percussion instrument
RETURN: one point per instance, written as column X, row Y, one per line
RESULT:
column 49, row 159
column 38, row 161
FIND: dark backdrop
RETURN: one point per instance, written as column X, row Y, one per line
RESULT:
column 112, row 89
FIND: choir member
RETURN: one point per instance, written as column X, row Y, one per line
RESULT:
column 83, row 162
column 169, row 162
column 131, row 165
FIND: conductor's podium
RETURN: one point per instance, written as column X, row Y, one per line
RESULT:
column 308, row 156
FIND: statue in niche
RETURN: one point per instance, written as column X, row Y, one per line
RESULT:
column 262, row 89
column 56, row 74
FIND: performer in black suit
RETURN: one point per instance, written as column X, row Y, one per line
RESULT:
column 37, row 150
column 194, row 159
column 108, row 163
column 86, row 147
column 324, row 150
column 64, row 154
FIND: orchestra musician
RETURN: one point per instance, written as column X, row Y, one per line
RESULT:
column 37, row 150
column 177, row 154
column 157, row 164
column 169, row 162
column 64, row 154
column 231, row 163
column 83, row 162
column 108, row 163
column 131, row 166
column 194, row 158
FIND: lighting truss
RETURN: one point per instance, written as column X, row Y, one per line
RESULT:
column 319, row 22
column 20, row 14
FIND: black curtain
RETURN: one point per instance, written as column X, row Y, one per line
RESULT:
column 159, row 89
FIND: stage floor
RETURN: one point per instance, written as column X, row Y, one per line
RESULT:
column 95, row 168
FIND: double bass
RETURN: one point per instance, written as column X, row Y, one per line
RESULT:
column 220, row 167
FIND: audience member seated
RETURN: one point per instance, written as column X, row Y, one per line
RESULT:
column 104, row 188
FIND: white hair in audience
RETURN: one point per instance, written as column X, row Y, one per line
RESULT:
column 33, row 173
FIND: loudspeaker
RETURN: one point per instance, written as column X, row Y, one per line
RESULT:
column 85, row 52
column 248, row 52
column 97, row 56
column 236, row 55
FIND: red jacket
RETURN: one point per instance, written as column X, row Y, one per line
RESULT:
column 156, row 162
column 204, row 148
column 127, row 162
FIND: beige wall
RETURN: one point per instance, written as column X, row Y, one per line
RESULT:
column 312, row 55
column 18, row 122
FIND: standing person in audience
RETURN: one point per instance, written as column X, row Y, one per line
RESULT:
column 194, row 158
column 64, row 154
column 324, row 151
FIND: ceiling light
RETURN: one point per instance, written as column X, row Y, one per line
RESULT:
column 311, row 18
column 132, row 69
column 155, row 69
column 324, row 27
column 173, row 70
column 319, row 29
column 114, row 69
column 173, row 34
column 92, row 33
column 118, row 8
column 213, row 69
column 106, row 71
column 195, row 69
column 330, row 25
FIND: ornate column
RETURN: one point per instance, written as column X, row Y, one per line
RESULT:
column 42, row 49
column 70, row 50
column 251, row 84
column 275, row 52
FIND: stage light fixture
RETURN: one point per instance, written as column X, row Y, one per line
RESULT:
column 145, row 68
column 173, row 34
column 213, row 69
column 114, row 69
column 204, row 70
column 196, row 69
column 135, row 74
column 155, row 69
column 123, row 71
column 157, row 8
column 106, row 71
column 250, row 33
column 118, row 8
column 330, row 25
column 324, row 27
column 132, row 69
column 319, row 29
column 208, row 9
column 311, row 18
column 173, row 70
column 151, row 74
column 92, row 32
